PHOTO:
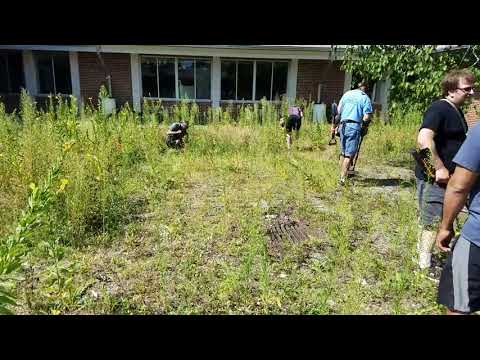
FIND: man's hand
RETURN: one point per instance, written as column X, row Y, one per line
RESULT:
column 334, row 131
column 444, row 236
column 442, row 175
column 364, row 129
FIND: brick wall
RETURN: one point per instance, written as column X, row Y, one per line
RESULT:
column 92, row 76
column 202, row 106
column 11, row 102
column 168, row 106
column 312, row 72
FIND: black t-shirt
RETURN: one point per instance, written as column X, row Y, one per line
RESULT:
column 450, row 132
column 176, row 127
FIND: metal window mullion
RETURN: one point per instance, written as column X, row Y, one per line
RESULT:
column 211, row 79
column 158, row 78
column 254, row 79
column 177, row 90
column 9, row 90
column 53, row 73
column 271, row 84
column 236, row 80
column 194, row 79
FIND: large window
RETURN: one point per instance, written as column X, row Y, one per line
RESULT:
column 158, row 77
column 186, row 79
column 203, row 73
column 271, row 80
column 229, row 80
column 245, row 81
column 54, row 73
column 149, row 77
column 11, row 73
column 249, row 80
column 159, row 74
column 166, row 78
column 279, row 83
column 264, row 80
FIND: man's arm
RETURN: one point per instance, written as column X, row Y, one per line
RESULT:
column 425, row 140
column 171, row 132
column 339, row 116
column 458, row 188
column 367, row 109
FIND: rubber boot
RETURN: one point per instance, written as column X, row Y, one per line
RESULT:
column 424, row 248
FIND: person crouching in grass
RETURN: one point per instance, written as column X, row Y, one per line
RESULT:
column 175, row 134
column 293, row 122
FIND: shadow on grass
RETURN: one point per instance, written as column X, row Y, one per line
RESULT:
column 307, row 148
column 407, row 163
column 385, row 182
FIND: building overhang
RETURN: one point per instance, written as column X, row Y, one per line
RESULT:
column 305, row 52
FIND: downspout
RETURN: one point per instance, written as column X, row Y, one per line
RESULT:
column 321, row 82
column 108, row 77
column 319, row 108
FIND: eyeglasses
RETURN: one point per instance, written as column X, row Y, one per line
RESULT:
column 467, row 89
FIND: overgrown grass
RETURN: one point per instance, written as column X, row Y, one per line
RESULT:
column 139, row 228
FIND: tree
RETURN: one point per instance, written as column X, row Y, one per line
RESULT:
column 415, row 71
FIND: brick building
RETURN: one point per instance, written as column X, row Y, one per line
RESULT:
column 210, row 75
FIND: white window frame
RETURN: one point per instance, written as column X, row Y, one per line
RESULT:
column 254, row 82
column 195, row 79
column 177, row 91
column 271, row 82
column 176, row 59
column 52, row 54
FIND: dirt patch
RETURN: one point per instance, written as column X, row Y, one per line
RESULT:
column 320, row 204
column 385, row 179
column 283, row 228
column 381, row 243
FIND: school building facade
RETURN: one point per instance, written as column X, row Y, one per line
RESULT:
column 210, row 75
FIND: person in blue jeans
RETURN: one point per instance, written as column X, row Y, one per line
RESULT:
column 459, row 287
column 355, row 110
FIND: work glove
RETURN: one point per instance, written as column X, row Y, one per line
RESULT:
column 364, row 130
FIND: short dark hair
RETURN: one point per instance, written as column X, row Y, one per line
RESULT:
column 362, row 83
column 452, row 78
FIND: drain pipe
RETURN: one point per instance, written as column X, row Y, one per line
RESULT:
column 108, row 77
column 108, row 104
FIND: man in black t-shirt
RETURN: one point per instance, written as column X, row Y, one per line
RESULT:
column 443, row 131
column 176, row 132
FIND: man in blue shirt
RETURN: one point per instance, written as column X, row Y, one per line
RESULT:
column 355, row 109
column 459, row 287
